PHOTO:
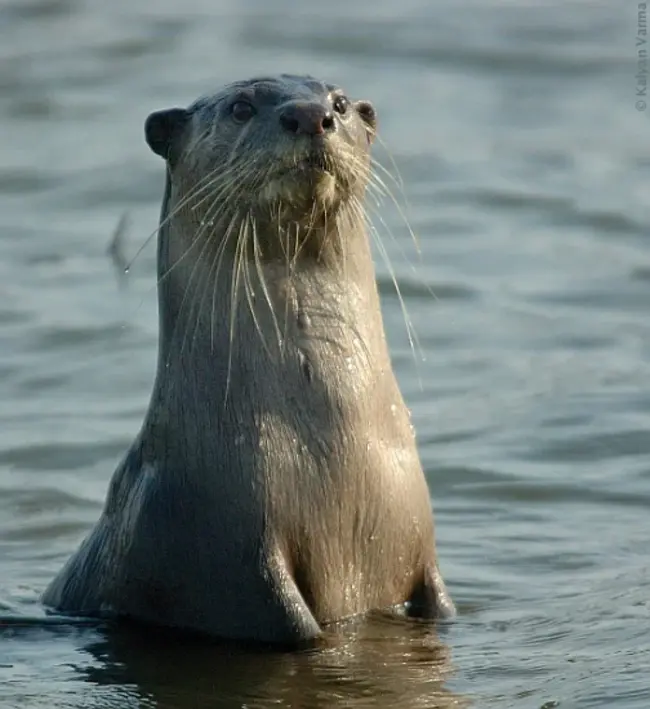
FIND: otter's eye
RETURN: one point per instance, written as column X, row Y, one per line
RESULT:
column 242, row 111
column 341, row 105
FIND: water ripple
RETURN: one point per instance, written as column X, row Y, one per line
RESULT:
column 525, row 170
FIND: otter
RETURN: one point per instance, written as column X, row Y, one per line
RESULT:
column 275, row 485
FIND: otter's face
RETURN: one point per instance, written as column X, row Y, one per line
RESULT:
column 285, row 145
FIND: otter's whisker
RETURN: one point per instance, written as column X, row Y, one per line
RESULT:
column 223, row 195
column 399, row 181
column 262, row 281
column 407, row 261
column 296, row 245
column 227, row 178
column 234, row 296
column 410, row 330
column 171, row 215
column 383, row 190
column 193, row 298
column 399, row 184
column 218, row 260
column 401, row 211
column 248, row 287
column 386, row 191
column 210, row 215
column 211, row 277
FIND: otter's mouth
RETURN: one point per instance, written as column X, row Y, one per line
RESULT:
column 316, row 163
column 305, row 179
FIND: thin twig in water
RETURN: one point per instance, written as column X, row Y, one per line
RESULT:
column 116, row 250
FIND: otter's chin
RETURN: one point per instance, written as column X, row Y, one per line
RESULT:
column 305, row 185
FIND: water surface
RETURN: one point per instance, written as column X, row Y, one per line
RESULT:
column 527, row 168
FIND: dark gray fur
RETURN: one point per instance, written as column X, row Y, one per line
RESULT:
column 275, row 485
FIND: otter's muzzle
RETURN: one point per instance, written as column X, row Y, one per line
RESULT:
column 306, row 118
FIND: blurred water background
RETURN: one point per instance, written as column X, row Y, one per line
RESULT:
column 525, row 158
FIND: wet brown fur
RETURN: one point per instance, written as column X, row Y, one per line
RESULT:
column 275, row 485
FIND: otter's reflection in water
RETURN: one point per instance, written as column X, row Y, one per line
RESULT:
column 380, row 662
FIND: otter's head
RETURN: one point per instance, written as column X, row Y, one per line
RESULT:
column 289, row 151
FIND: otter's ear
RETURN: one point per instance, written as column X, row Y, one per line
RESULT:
column 367, row 112
column 162, row 128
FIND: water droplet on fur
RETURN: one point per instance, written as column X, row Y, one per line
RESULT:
column 126, row 270
column 393, row 409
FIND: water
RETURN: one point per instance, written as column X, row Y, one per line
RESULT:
column 526, row 166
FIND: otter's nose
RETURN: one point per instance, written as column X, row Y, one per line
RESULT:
column 307, row 119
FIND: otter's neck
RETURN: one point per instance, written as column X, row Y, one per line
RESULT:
column 211, row 271
column 271, row 356
column 234, row 327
